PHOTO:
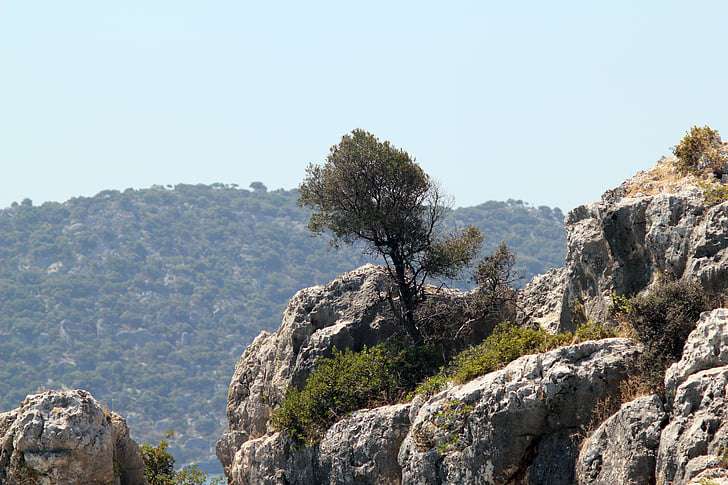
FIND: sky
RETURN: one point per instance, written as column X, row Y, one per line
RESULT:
column 548, row 102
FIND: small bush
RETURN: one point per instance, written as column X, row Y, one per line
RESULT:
column 159, row 468
column 700, row 149
column 349, row 381
column 662, row 320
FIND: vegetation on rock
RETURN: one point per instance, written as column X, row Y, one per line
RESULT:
column 701, row 150
column 146, row 298
column 349, row 381
column 662, row 320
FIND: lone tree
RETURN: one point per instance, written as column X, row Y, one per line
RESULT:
column 372, row 192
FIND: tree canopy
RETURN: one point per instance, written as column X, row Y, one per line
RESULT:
column 371, row 191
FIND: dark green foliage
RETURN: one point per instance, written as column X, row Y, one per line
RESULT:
column 159, row 468
column 662, row 320
column 504, row 345
column 348, row 381
column 158, row 463
column 372, row 193
column 158, row 292
column 701, row 150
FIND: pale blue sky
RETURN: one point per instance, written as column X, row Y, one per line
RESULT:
column 550, row 102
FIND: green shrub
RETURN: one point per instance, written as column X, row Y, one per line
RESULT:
column 349, row 381
column 592, row 331
column 662, row 320
column 700, row 148
column 504, row 345
column 159, row 468
column 714, row 192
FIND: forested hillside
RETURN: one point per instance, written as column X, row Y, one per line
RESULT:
column 147, row 297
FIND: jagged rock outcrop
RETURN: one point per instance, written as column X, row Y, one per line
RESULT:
column 623, row 449
column 657, row 222
column 66, row 438
column 349, row 313
column 516, row 425
column 696, row 437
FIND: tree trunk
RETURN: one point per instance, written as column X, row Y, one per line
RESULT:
column 407, row 302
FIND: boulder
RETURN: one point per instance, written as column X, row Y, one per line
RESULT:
column 67, row 438
column 518, row 424
column 623, row 449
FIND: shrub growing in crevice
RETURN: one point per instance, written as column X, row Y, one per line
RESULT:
column 662, row 321
column 349, row 381
column 507, row 343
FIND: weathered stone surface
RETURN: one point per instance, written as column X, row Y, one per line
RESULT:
column 542, row 302
column 623, row 449
column 362, row 449
column 697, row 391
column 65, row 437
column 515, row 425
column 273, row 460
column 706, row 347
column 697, row 432
column 349, row 312
column 358, row 450
column 621, row 244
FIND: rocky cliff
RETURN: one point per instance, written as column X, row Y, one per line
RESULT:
column 67, row 438
column 654, row 223
column 525, row 423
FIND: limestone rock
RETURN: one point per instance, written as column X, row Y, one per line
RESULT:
column 697, row 389
column 542, row 301
column 622, row 243
column 705, row 348
column 515, row 425
column 623, row 449
column 362, row 449
column 349, row 312
column 66, row 438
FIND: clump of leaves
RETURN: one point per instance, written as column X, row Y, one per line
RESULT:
column 662, row 320
column 700, row 150
column 349, row 381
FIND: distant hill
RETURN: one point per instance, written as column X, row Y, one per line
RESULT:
column 148, row 297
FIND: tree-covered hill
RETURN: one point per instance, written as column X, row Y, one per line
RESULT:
column 148, row 297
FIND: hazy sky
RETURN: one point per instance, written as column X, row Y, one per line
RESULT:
column 550, row 102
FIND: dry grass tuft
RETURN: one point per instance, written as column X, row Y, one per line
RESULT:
column 664, row 177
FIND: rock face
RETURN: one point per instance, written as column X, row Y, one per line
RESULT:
column 348, row 313
column 697, row 387
column 623, row 449
column 65, row 437
column 621, row 244
column 515, row 425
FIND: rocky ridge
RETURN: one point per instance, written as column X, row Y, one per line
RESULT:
column 653, row 224
column 523, row 423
